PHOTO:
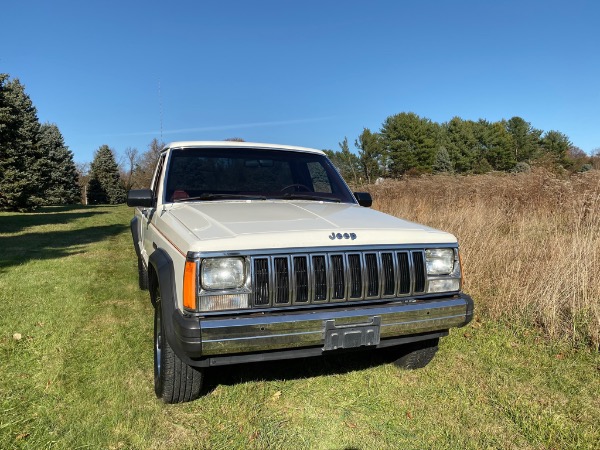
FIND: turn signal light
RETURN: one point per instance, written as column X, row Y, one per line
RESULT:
column 189, row 284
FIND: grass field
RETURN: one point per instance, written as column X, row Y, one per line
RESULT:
column 530, row 243
column 76, row 358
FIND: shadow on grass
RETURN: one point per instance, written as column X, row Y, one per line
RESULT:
column 342, row 362
column 16, row 250
column 56, row 215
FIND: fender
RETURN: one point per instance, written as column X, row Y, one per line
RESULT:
column 188, row 343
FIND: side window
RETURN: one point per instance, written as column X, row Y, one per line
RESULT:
column 319, row 177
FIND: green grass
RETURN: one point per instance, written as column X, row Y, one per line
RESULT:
column 81, row 374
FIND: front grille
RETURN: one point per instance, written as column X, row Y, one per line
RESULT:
column 298, row 279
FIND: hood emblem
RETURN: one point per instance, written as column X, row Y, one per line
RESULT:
column 334, row 236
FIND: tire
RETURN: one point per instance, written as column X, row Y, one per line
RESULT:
column 418, row 354
column 142, row 275
column 174, row 380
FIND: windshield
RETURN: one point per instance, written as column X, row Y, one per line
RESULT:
column 207, row 174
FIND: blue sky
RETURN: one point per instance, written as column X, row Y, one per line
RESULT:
column 299, row 72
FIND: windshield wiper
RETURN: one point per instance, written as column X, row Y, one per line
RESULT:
column 209, row 196
column 306, row 196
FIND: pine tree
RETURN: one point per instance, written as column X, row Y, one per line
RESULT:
column 369, row 155
column 496, row 144
column 443, row 162
column 410, row 142
column 346, row 162
column 21, row 159
column 526, row 139
column 60, row 176
column 461, row 144
column 105, row 186
column 557, row 144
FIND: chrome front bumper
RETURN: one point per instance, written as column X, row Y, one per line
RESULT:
column 284, row 330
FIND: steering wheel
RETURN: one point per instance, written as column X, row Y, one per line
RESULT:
column 301, row 187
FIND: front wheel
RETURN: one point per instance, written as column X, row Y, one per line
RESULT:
column 417, row 354
column 174, row 380
column 142, row 275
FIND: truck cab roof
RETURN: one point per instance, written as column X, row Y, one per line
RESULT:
column 240, row 145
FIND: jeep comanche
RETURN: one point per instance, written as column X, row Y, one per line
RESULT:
column 257, row 252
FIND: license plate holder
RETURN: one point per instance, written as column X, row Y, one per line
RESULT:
column 352, row 335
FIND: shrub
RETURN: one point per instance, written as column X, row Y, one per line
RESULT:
column 521, row 167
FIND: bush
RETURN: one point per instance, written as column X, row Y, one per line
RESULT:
column 521, row 167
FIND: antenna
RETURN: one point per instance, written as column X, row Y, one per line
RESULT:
column 160, row 111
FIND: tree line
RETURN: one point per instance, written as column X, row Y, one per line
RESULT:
column 408, row 144
column 36, row 167
column 107, row 181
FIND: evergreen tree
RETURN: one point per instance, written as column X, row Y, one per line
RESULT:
column 104, row 185
column 21, row 183
column 525, row 139
column 496, row 144
column 482, row 166
column 443, row 162
column 346, row 162
column 60, row 173
column 557, row 145
column 410, row 143
column 461, row 144
column 369, row 155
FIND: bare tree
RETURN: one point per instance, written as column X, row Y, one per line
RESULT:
column 128, row 166
column 145, row 165
column 595, row 158
column 83, row 178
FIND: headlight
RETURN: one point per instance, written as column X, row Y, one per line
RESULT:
column 222, row 273
column 443, row 270
column 439, row 261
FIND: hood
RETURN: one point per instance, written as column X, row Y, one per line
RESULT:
column 247, row 225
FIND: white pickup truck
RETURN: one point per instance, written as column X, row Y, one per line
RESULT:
column 256, row 252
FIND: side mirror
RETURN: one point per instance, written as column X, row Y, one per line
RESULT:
column 140, row 197
column 364, row 199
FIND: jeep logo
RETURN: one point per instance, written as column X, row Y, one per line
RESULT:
column 334, row 236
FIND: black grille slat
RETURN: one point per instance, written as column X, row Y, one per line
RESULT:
column 387, row 270
column 320, row 277
column 301, row 278
column 261, row 277
column 419, row 265
column 282, row 281
column 355, row 276
column 373, row 274
column 404, row 273
column 339, row 281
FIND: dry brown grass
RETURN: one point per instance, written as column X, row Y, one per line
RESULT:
column 530, row 243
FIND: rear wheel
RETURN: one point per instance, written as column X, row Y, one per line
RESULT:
column 174, row 380
column 417, row 354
